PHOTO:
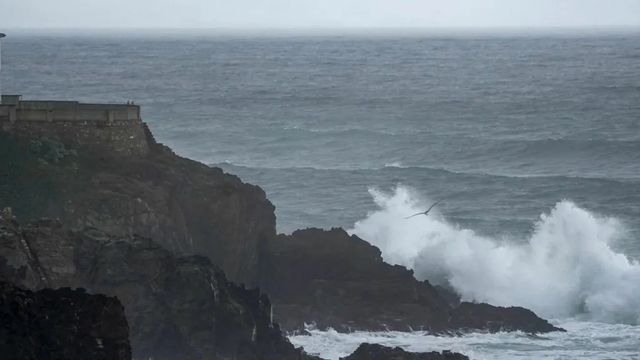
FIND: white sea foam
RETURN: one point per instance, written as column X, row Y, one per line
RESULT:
column 394, row 164
column 584, row 340
column 566, row 268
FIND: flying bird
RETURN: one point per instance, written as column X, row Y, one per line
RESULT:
column 425, row 212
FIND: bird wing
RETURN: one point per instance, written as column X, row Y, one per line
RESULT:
column 431, row 207
column 409, row 217
column 425, row 212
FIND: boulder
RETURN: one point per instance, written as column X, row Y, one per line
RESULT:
column 471, row 316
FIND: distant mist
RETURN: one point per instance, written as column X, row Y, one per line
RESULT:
column 313, row 14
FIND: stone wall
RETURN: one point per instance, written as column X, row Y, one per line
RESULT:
column 127, row 138
column 106, row 128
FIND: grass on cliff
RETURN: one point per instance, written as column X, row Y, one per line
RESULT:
column 30, row 171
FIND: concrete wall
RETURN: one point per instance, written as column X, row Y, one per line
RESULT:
column 4, row 113
column 9, row 99
column 8, row 113
column 74, row 111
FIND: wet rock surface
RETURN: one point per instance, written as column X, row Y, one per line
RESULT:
column 378, row 352
column 340, row 281
column 61, row 324
column 336, row 280
column 471, row 316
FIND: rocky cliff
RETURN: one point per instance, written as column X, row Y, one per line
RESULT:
column 178, row 307
column 183, row 205
column 188, row 208
column 61, row 324
column 335, row 280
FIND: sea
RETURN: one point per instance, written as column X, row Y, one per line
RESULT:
column 531, row 143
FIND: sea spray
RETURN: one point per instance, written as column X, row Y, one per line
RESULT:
column 583, row 340
column 566, row 267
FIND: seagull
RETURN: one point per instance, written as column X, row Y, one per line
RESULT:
column 425, row 212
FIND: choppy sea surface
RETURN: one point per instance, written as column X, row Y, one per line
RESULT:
column 531, row 142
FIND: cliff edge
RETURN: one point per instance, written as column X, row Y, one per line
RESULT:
column 187, row 208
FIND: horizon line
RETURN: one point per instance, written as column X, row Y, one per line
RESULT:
column 481, row 31
column 331, row 28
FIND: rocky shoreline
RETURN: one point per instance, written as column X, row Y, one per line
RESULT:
column 164, row 233
column 378, row 352
column 341, row 282
column 176, row 306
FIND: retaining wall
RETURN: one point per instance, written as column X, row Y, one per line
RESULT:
column 118, row 137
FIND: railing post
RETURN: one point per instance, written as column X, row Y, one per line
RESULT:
column 1, row 36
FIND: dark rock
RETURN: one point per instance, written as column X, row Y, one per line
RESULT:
column 185, row 206
column 378, row 352
column 340, row 281
column 448, row 294
column 177, row 307
column 61, row 324
column 471, row 316
column 335, row 280
column 318, row 276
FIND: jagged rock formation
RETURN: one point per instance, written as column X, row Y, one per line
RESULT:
column 333, row 279
column 189, row 208
column 61, row 324
column 341, row 281
column 177, row 307
column 185, row 206
column 468, row 316
column 378, row 352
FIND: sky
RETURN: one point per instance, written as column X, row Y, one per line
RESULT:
column 324, row 14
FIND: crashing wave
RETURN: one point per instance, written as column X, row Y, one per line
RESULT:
column 566, row 268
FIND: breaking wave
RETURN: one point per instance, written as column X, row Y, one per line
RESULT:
column 583, row 340
column 566, row 268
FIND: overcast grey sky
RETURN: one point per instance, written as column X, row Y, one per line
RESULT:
column 317, row 13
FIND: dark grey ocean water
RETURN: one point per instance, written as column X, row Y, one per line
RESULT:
column 504, row 129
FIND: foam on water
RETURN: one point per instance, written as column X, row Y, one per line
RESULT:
column 584, row 340
column 566, row 268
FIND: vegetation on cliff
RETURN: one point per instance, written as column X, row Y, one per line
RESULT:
column 185, row 206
